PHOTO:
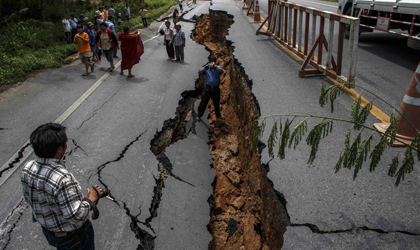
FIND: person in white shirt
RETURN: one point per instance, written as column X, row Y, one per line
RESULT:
column 111, row 12
column 143, row 16
column 67, row 29
column 180, row 5
column 127, row 12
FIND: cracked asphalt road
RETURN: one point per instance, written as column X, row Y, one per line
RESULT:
column 109, row 140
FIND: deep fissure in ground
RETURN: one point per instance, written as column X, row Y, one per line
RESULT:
column 246, row 212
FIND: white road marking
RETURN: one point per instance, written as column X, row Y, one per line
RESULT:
column 6, row 175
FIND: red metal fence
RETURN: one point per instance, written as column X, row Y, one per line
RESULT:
column 289, row 24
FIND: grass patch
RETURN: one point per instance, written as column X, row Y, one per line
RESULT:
column 33, row 45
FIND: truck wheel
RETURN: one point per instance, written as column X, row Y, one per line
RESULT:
column 413, row 43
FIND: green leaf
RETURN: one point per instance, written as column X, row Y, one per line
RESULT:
column 362, row 153
column 407, row 166
column 272, row 139
column 353, row 152
column 298, row 133
column 319, row 132
column 393, row 166
column 355, row 108
column 284, row 138
column 339, row 164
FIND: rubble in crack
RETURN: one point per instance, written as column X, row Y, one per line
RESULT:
column 246, row 212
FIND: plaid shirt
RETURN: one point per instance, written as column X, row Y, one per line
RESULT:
column 179, row 38
column 54, row 195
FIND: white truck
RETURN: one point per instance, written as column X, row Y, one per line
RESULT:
column 401, row 17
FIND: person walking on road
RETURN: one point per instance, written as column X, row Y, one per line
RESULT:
column 99, row 19
column 127, row 12
column 111, row 26
column 54, row 194
column 211, row 90
column 168, row 37
column 180, row 5
column 107, row 40
column 111, row 13
column 73, row 24
column 67, row 29
column 179, row 43
column 82, row 41
column 131, row 50
column 143, row 16
column 92, row 40
column 175, row 17
column 106, row 13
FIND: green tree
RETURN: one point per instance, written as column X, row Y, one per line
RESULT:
column 357, row 148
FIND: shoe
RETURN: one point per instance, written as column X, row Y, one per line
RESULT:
column 116, row 57
column 198, row 119
column 182, row 61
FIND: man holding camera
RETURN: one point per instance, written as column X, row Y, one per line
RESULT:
column 212, row 90
column 54, row 194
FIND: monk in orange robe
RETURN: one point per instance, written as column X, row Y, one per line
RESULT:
column 131, row 49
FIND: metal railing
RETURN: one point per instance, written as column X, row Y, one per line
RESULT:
column 289, row 24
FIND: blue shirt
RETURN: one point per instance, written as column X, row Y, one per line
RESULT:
column 111, row 26
column 73, row 23
column 91, row 34
column 212, row 77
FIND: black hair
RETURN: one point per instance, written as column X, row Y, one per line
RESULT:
column 110, row 18
column 212, row 59
column 47, row 138
column 104, row 24
column 126, row 29
column 72, row 15
column 80, row 26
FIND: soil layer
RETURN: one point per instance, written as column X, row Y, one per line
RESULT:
column 246, row 213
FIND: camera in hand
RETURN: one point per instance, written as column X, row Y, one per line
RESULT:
column 105, row 193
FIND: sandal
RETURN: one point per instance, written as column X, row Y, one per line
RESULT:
column 92, row 68
column 121, row 73
column 85, row 74
column 111, row 69
column 130, row 76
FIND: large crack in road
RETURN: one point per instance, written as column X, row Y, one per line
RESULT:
column 246, row 213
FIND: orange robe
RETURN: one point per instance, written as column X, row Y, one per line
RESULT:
column 131, row 49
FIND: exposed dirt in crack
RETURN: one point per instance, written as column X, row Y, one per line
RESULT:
column 247, row 213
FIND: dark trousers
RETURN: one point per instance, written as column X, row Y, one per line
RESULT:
column 179, row 52
column 144, row 21
column 73, row 33
column 68, row 37
column 214, row 94
column 170, row 49
column 80, row 239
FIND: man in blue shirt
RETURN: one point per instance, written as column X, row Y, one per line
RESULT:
column 212, row 90
column 111, row 26
column 73, row 24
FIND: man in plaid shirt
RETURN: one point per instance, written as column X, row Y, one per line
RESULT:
column 179, row 42
column 55, row 195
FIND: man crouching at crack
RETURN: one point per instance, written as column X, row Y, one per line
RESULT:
column 55, row 195
column 212, row 90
